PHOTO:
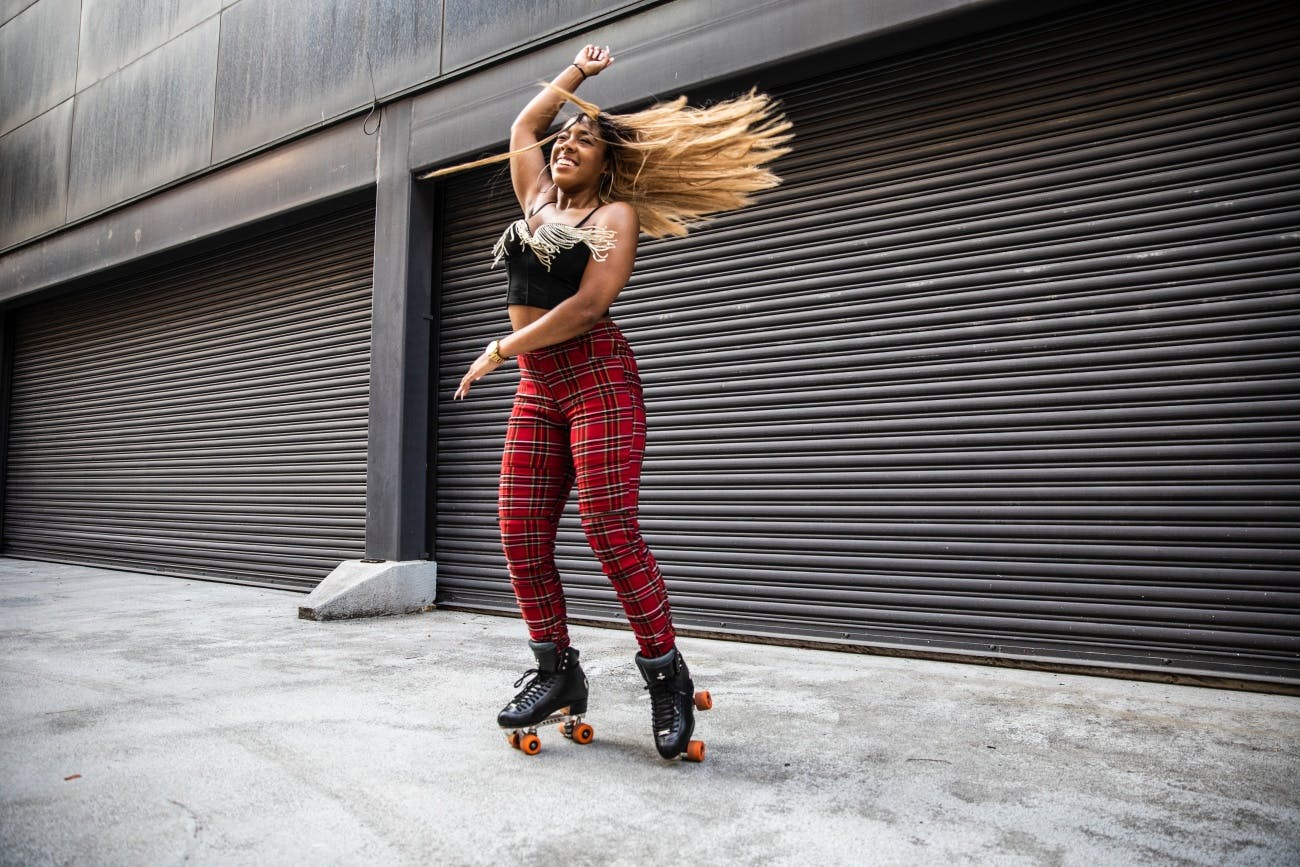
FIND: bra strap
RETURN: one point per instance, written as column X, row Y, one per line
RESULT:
column 588, row 217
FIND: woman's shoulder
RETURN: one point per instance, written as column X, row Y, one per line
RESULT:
column 619, row 216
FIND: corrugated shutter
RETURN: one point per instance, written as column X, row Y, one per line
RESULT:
column 207, row 418
column 1007, row 366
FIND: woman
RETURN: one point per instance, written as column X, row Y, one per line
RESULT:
column 578, row 415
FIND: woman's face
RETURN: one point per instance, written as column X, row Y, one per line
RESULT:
column 578, row 156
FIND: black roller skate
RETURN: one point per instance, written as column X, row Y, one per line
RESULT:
column 556, row 695
column 673, row 701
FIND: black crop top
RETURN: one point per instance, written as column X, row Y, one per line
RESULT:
column 545, row 267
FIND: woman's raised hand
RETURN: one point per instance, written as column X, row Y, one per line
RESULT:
column 592, row 59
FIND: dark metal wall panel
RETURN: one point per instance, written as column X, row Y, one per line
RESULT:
column 1008, row 366
column 11, row 8
column 38, row 60
column 34, row 174
column 149, row 124
column 312, row 172
column 115, row 33
column 403, row 38
column 481, row 28
column 207, row 418
column 290, row 66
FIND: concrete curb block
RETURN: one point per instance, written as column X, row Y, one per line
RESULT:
column 361, row 588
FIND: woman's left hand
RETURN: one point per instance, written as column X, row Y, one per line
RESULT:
column 482, row 366
column 592, row 59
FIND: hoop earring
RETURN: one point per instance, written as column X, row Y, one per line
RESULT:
column 601, row 189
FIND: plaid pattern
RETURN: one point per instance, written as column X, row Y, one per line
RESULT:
column 578, row 417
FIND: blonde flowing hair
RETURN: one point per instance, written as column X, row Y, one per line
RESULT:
column 676, row 164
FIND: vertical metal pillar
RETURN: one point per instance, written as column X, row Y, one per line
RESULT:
column 397, row 472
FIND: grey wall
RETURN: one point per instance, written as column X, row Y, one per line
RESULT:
column 38, row 75
column 661, row 50
column 132, row 127
column 105, row 101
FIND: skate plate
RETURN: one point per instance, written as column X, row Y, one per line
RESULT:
column 571, row 726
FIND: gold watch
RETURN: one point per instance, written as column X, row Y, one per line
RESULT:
column 494, row 352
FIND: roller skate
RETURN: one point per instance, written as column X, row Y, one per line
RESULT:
column 673, row 702
column 556, row 695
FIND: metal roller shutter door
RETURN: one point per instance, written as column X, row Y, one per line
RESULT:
column 205, row 419
column 1007, row 366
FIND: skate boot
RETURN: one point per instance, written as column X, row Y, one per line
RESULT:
column 672, row 703
column 557, row 694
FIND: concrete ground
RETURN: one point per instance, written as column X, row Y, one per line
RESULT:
column 151, row 721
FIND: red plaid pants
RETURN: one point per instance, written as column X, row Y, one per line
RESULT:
column 578, row 417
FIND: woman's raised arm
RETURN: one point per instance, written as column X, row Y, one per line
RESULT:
column 528, row 170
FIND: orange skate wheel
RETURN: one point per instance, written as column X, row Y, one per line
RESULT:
column 513, row 739
column 703, row 700
column 583, row 733
column 530, row 744
column 695, row 751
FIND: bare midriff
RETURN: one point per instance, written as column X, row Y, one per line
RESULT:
column 523, row 315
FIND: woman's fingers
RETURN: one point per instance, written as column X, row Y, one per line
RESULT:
column 594, row 58
column 471, row 376
column 467, row 382
column 481, row 367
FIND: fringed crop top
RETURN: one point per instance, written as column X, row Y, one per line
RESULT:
column 545, row 267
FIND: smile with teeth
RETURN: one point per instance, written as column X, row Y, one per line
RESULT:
column 565, row 161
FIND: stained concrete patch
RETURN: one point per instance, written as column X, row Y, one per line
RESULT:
column 150, row 720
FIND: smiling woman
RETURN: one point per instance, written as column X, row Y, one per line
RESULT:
column 578, row 416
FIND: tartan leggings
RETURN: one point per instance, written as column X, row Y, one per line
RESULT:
column 578, row 417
